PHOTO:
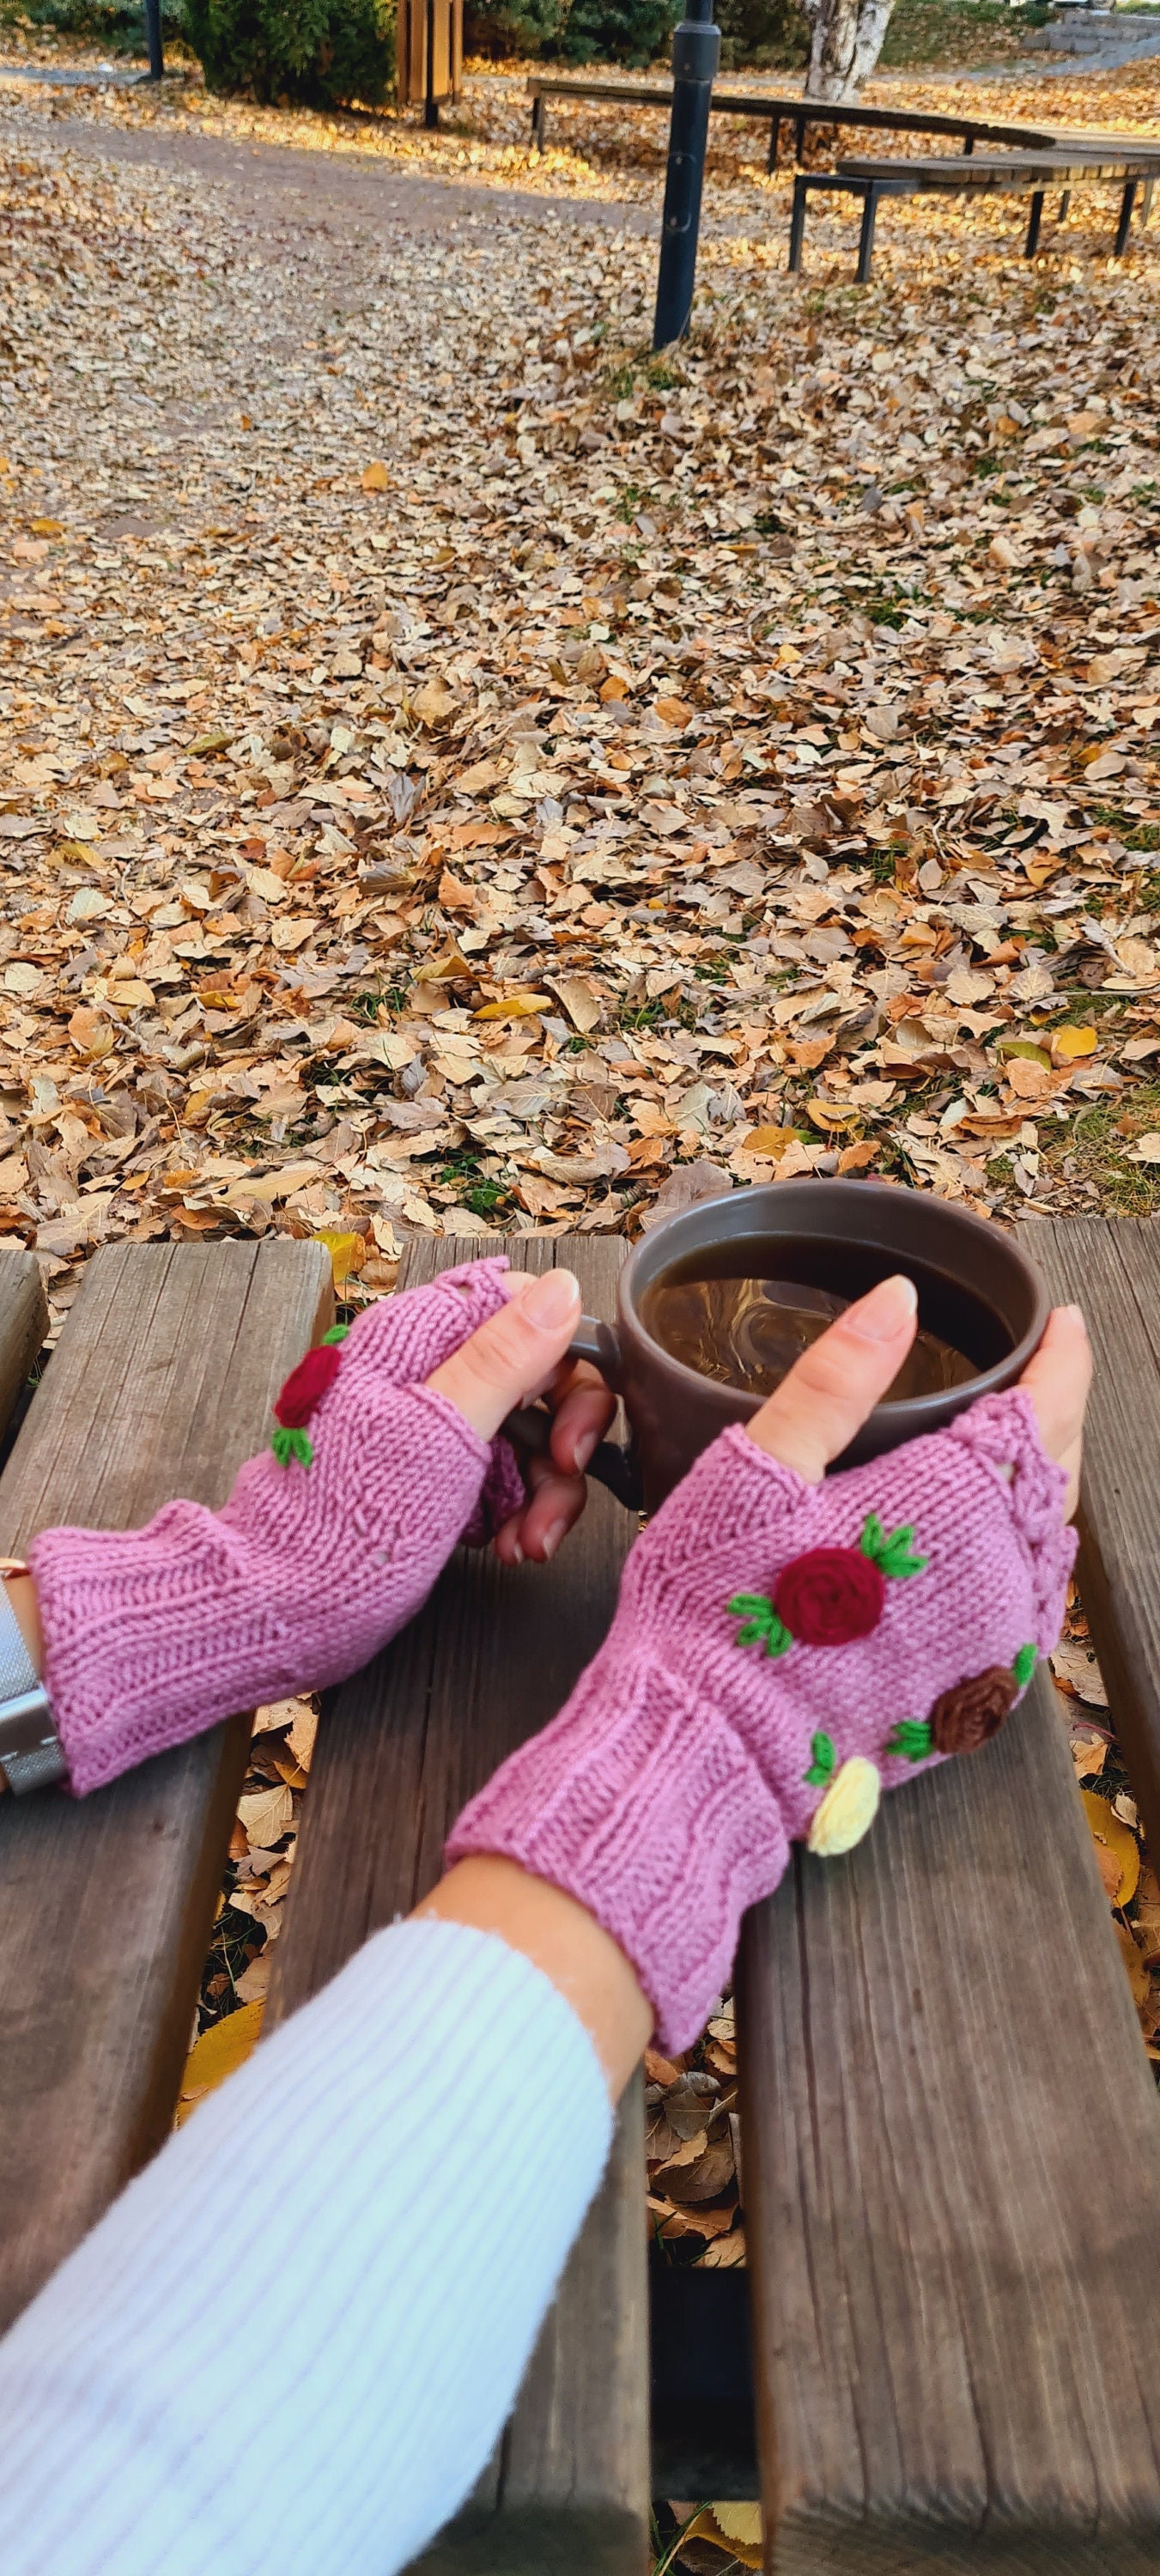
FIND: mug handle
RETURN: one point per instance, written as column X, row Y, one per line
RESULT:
column 528, row 1427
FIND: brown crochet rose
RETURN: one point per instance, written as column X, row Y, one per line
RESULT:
column 967, row 1717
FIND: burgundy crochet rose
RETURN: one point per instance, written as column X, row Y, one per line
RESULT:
column 830, row 1596
column 306, row 1386
column 967, row 1717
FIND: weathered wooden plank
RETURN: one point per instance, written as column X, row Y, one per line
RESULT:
column 402, row 1746
column 23, row 1323
column 161, row 1385
column 1111, row 1267
column 952, row 2175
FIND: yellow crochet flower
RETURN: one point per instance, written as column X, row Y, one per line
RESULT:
column 848, row 1809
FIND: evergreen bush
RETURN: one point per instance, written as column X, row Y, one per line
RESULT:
column 306, row 53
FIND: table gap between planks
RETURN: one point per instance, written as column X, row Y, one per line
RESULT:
column 952, row 2140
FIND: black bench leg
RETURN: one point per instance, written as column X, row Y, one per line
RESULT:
column 538, row 125
column 1064, row 203
column 800, row 124
column 866, row 236
column 797, row 225
column 1146, row 200
column 1034, row 221
column 1126, row 204
column 774, row 140
column 968, row 146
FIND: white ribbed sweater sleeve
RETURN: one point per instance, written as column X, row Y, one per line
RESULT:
column 293, row 2340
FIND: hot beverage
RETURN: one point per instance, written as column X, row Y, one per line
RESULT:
column 746, row 1333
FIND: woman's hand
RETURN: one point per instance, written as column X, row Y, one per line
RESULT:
column 513, row 1360
column 836, row 1384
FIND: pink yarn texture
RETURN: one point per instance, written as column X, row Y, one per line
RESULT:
column 667, row 1792
column 152, row 1635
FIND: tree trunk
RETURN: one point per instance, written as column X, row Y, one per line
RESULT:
column 845, row 46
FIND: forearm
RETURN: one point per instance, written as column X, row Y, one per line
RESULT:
column 384, row 2197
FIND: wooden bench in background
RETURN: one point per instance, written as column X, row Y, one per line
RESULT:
column 1002, row 173
column 791, row 110
column 952, row 2138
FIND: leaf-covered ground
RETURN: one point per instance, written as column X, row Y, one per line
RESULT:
column 462, row 772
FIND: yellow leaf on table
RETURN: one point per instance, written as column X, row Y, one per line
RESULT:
column 1117, row 1850
column 1068, row 1043
column 375, row 478
column 217, row 2054
column 347, row 1254
column 518, row 1006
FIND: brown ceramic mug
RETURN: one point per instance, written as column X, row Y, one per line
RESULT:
column 977, row 1290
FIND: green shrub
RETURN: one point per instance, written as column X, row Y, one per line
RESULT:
column 767, row 34
column 617, row 31
column 571, row 31
column 311, row 53
column 501, row 29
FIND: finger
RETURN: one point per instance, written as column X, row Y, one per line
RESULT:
column 536, row 1532
column 582, row 1410
column 829, row 1392
column 1058, row 1381
column 514, row 1355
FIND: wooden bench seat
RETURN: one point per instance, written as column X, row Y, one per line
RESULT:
column 951, row 2134
column 788, row 110
column 1002, row 173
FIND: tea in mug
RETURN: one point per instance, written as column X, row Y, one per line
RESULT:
column 748, row 1332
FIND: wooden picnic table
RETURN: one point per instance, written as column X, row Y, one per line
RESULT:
column 951, row 2131
column 784, row 110
column 979, row 174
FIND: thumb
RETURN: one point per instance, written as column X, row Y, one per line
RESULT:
column 514, row 1355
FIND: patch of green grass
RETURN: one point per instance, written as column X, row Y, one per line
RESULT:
column 1099, row 1142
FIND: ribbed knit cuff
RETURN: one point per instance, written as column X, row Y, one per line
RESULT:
column 642, row 1804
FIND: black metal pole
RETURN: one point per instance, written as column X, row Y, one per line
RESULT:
column 696, row 52
column 431, row 106
column 153, row 39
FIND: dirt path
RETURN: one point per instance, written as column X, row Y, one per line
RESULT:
column 278, row 187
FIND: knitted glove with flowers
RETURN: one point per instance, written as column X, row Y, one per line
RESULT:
column 329, row 1542
column 781, row 1653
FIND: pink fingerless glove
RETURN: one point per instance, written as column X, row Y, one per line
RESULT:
column 781, row 1653
column 329, row 1542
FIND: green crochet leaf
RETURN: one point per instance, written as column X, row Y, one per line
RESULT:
column 912, row 1739
column 762, row 1626
column 824, row 1763
column 337, row 1333
column 893, row 1554
column 287, row 1444
column 1024, row 1665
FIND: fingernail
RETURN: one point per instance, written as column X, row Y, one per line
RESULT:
column 551, row 1299
column 517, row 1552
column 1075, row 1315
column 552, row 1538
column 886, row 1312
column 582, row 1450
